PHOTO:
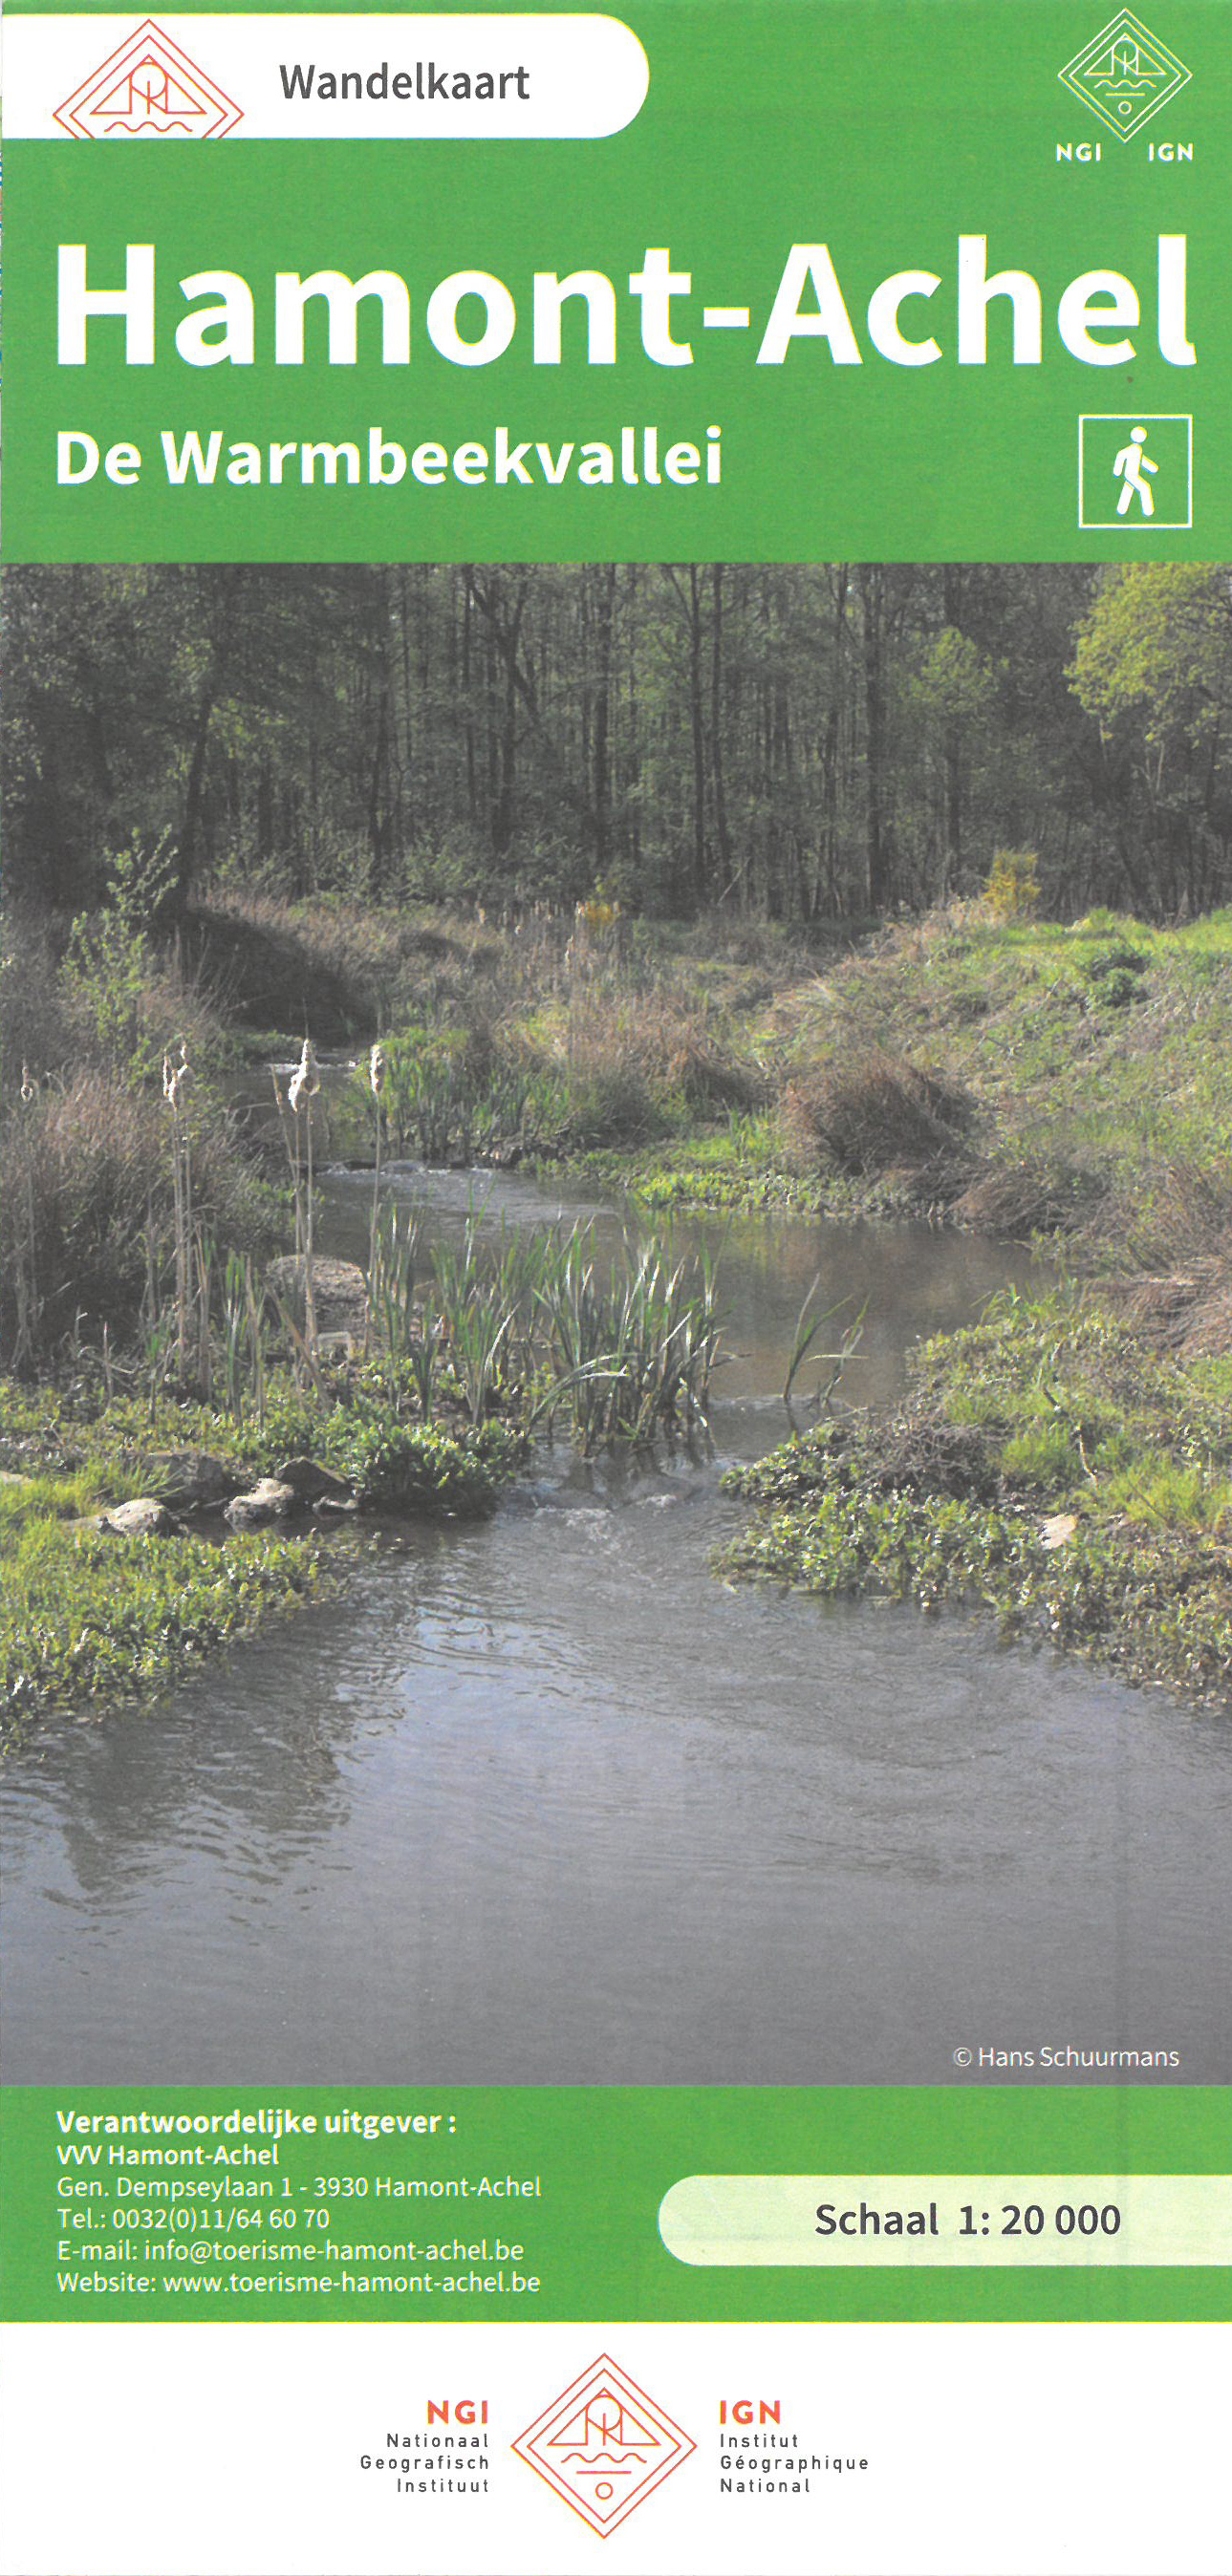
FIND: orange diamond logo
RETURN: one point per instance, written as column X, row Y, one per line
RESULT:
column 604, row 2445
column 148, row 86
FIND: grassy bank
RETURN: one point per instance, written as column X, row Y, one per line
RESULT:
column 1046, row 1467
column 91, row 1621
column 1066, row 1465
column 1015, row 1078
column 1082, row 1072
column 94, row 1616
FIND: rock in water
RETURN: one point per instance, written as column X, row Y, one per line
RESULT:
column 190, row 1480
column 339, row 1291
column 269, row 1501
column 310, row 1483
column 145, row 1517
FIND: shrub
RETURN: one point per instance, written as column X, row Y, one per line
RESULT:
column 1025, row 1198
column 1114, row 975
column 1013, row 889
column 608, row 1105
column 415, row 1467
column 109, row 960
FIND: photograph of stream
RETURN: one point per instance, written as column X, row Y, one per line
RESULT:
column 616, row 1440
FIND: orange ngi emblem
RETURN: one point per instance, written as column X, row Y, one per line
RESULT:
column 148, row 85
column 604, row 2445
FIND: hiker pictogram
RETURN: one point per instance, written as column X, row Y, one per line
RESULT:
column 1135, row 471
column 1131, row 464
column 148, row 86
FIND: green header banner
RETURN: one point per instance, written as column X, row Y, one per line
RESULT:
column 672, row 2205
column 855, row 279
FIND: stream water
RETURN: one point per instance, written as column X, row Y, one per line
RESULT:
column 542, row 1801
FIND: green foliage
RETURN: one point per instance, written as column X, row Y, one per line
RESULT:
column 90, row 1619
column 1115, row 974
column 1154, row 650
column 1153, row 666
column 109, row 958
column 954, row 685
column 417, row 1467
column 1013, row 889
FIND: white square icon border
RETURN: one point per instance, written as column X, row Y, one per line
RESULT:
column 1137, row 527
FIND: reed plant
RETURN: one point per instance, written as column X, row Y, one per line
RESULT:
column 632, row 1352
column 377, row 1074
column 177, row 1082
column 204, row 1259
column 471, row 1297
column 391, row 1280
column 243, row 1338
column 295, row 1118
column 808, row 1326
column 302, row 1090
column 25, row 1268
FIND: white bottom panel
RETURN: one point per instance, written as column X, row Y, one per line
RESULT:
column 1010, row 2450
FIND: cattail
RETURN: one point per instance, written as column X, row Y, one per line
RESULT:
column 27, row 1251
column 177, row 1082
column 376, row 1085
column 305, row 1082
column 302, row 1089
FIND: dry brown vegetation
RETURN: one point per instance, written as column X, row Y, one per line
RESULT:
column 655, row 1041
column 869, row 1112
column 84, row 1178
column 1017, row 1200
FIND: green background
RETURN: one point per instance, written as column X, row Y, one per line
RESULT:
column 607, row 2156
column 881, row 128
column 884, row 130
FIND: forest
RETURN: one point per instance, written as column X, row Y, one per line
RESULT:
column 805, row 743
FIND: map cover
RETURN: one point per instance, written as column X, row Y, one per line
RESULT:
column 616, row 1291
